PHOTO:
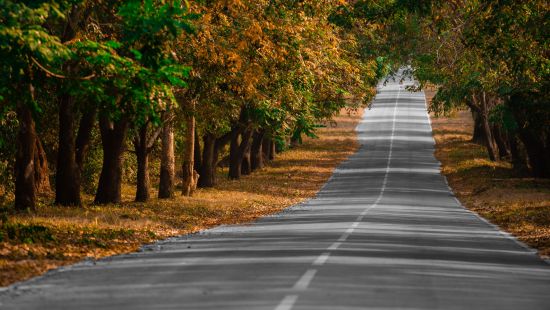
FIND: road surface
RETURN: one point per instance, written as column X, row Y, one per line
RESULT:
column 384, row 233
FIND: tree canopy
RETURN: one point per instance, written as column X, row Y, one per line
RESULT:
column 237, row 81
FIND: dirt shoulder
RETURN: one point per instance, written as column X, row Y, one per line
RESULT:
column 31, row 244
column 520, row 206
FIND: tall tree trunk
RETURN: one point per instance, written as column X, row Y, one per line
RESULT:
column 41, row 170
column 538, row 158
column 484, row 118
column 238, row 151
column 71, row 150
column 489, row 142
column 273, row 150
column 197, row 152
column 113, row 136
column 478, row 135
column 534, row 136
column 295, row 140
column 84, row 136
column 67, row 178
column 190, row 176
column 246, row 165
column 143, row 144
column 501, row 141
column 142, row 155
column 519, row 162
column 167, row 162
column 211, row 150
column 208, row 167
column 268, row 148
column 235, row 160
column 257, row 158
column 25, row 190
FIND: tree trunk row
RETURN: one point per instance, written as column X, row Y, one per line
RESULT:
column 528, row 147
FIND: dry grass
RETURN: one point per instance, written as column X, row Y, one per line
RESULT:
column 518, row 205
column 55, row 236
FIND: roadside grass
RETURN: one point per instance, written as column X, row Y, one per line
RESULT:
column 31, row 244
column 519, row 205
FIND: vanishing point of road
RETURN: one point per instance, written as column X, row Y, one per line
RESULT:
column 385, row 232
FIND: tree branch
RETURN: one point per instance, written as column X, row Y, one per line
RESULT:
column 59, row 76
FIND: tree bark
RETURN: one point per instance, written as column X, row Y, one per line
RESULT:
column 268, row 148
column 246, row 165
column 41, row 170
column 71, row 150
column 143, row 144
column 501, row 141
column 484, row 119
column 538, row 159
column 211, row 149
column 197, row 152
column 113, row 136
column 519, row 162
column 190, row 176
column 67, row 178
column 478, row 135
column 491, row 149
column 257, row 158
column 142, row 155
column 534, row 136
column 273, row 151
column 235, row 160
column 84, row 136
column 167, row 163
column 238, row 151
column 208, row 166
column 25, row 190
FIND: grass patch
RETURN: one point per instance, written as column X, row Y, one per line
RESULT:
column 520, row 206
column 54, row 236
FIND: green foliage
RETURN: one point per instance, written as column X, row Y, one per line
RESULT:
column 27, row 49
column 8, row 132
column 281, row 62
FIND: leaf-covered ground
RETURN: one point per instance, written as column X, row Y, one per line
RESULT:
column 31, row 244
column 518, row 205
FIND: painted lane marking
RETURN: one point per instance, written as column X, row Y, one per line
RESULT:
column 343, row 237
column 335, row 245
column 304, row 280
column 321, row 259
column 287, row 303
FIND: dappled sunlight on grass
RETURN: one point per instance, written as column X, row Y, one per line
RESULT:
column 71, row 234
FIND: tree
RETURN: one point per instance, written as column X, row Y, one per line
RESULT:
column 73, row 142
column 137, row 74
column 26, row 52
column 168, row 160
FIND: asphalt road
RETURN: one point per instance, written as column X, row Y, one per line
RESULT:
column 384, row 233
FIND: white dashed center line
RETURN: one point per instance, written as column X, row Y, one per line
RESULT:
column 289, row 300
